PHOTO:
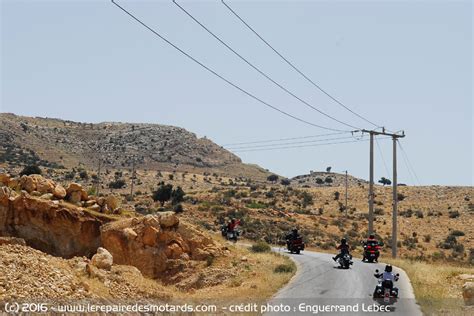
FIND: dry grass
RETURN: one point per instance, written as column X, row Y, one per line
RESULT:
column 256, row 280
column 437, row 286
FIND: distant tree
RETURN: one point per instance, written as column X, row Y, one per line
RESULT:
column 307, row 199
column 328, row 169
column 328, row 180
column 385, row 181
column 83, row 174
column 272, row 178
column 285, row 181
column 163, row 193
column 319, row 181
column 31, row 169
column 177, row 196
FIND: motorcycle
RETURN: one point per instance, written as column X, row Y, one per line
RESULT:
column 385, row 293
column 230, row 235
column 345, row 261
column 295, row 245
column 371, row 251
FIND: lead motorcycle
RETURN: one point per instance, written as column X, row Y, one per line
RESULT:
column 385, row 293
column 232, row 235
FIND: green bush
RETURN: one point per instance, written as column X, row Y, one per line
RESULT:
column 285, row 268
column 261, row 246
column 31, row 169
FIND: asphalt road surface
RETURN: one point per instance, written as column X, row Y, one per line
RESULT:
column 319, row 283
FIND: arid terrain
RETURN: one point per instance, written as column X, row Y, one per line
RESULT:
column 107, row 207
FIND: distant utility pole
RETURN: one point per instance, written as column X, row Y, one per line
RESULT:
column 395, row 137
column 346, row 195
column 133, row 177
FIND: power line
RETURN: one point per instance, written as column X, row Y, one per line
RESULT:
column 302, row 146
column 220, row 76
column 283, row 139
column 381, row 155
column 295, row 68
column 291, row 143
column 408, row 164
column 259, row 70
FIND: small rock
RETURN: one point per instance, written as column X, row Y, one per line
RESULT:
column 102, row 259
column 468, row 293
column 168, row 220
column 59, row 192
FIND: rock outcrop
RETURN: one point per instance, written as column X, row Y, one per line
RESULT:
column 468, row 293
column 50, row 226
column 154, row 243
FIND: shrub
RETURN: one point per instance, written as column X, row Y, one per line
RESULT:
column 307, row 199
column 336, row 195
column 319, row 181
column 427, row 238
column 285, row 182
column 453, row 214
column 272, row 178
column 385, row 181
column 328, row 180
column 31, row 169
column 400, row 197
column 285, row 268
column 117, row 184
column 457, row 233
column 419, row 214
column 83, row 174
column 379, row 211
column 178, row 208
column 177, row 196
column 261, row 246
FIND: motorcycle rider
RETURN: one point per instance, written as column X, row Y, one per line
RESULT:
column 387, row 278
column 292, row 236
column 372, row 242
column 232, row 225
column 344, row 249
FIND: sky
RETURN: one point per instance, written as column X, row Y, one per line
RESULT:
column 405, row 65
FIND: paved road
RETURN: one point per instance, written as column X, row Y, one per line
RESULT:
column 319, row 282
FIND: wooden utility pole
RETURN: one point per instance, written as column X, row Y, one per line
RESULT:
column 395, row 137
column 371, row 185
column 395, row 200
column 133, row 178
column 346, row 195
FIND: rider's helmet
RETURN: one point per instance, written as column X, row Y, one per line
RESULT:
column 371, row 236
column 343, row 241
column 388, row 268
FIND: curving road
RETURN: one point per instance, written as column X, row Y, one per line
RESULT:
column 319, row 282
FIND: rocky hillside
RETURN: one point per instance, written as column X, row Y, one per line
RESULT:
column 55, row 143
column 326, row 179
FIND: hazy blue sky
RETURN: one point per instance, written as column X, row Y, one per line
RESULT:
column 404, row 64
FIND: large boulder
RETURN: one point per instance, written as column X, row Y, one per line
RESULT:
column 153, row 243
column 102, row 259
column 113, row 202
column 168, row 220
column 44, row 186
column 4, row 178
column 468, row 293
column 59, row 192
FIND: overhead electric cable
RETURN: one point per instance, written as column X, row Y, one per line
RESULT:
column 301, row 146
column 381, row 155
column 220, row 76
column 283, row 139
column 287, row 143
column 259, row 70
column 296, row 68
column 408, row 164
